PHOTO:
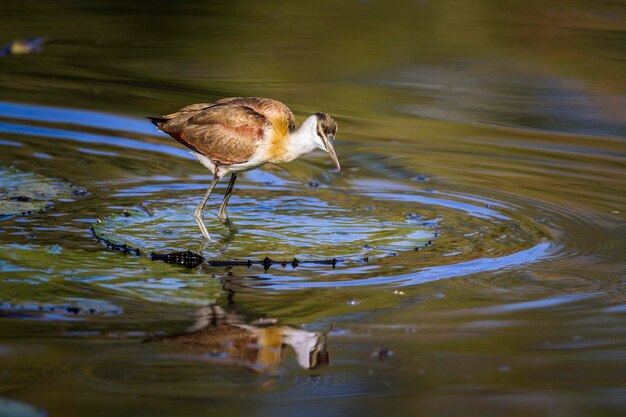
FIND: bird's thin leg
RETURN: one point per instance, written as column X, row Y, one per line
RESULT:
column 223, row 216
column 198, row 213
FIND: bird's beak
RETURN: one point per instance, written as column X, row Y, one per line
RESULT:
column 328, row 143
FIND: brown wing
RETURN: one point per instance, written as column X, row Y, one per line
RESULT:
column 273, row 110
column 227, row 133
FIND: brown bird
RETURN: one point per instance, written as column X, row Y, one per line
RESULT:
column 242, row 133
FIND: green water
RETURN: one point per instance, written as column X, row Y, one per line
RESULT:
column 493, row 130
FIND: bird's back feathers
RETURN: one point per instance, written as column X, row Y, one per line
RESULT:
column 230, row 130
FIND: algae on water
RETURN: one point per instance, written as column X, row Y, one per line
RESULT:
column 23, row 193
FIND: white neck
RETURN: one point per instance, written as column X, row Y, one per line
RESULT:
column 303, row 140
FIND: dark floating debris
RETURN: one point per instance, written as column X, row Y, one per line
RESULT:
column 267, row 262
column 36, row 311
column 80, row 191
column 190, row 259
column 187, row 259
column 124, row 248
column 413, row 216
column 22, row 198
column 382, row 353
column 9, row 314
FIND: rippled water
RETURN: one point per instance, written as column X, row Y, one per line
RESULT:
column 478, row 225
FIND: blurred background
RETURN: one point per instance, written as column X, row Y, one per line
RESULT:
column 484, row 152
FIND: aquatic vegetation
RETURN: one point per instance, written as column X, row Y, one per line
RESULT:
column 348, row 235
column 24, row 193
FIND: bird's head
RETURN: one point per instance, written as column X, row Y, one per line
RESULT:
column 326, row 131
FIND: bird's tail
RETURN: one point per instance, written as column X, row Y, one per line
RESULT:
column 156, row 120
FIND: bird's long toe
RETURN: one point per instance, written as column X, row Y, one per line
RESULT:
column 202, row 227
column 223, row 216
column 228, row 223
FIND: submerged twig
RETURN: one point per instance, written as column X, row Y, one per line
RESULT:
column 187, row 259
column 191, row 260
column 124, row 248
column 145, row 208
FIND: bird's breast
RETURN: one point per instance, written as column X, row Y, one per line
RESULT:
column 277, row 141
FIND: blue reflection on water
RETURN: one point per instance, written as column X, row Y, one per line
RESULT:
column 10, row 143
column 49, row 132
column 76, row 117
column 434, row 273
column 476, row 211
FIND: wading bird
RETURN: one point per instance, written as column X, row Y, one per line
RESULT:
column 242, row 133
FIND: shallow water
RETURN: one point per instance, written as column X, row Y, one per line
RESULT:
column 478, row 220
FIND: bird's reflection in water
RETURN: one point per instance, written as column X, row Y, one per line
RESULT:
column 225, row 339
